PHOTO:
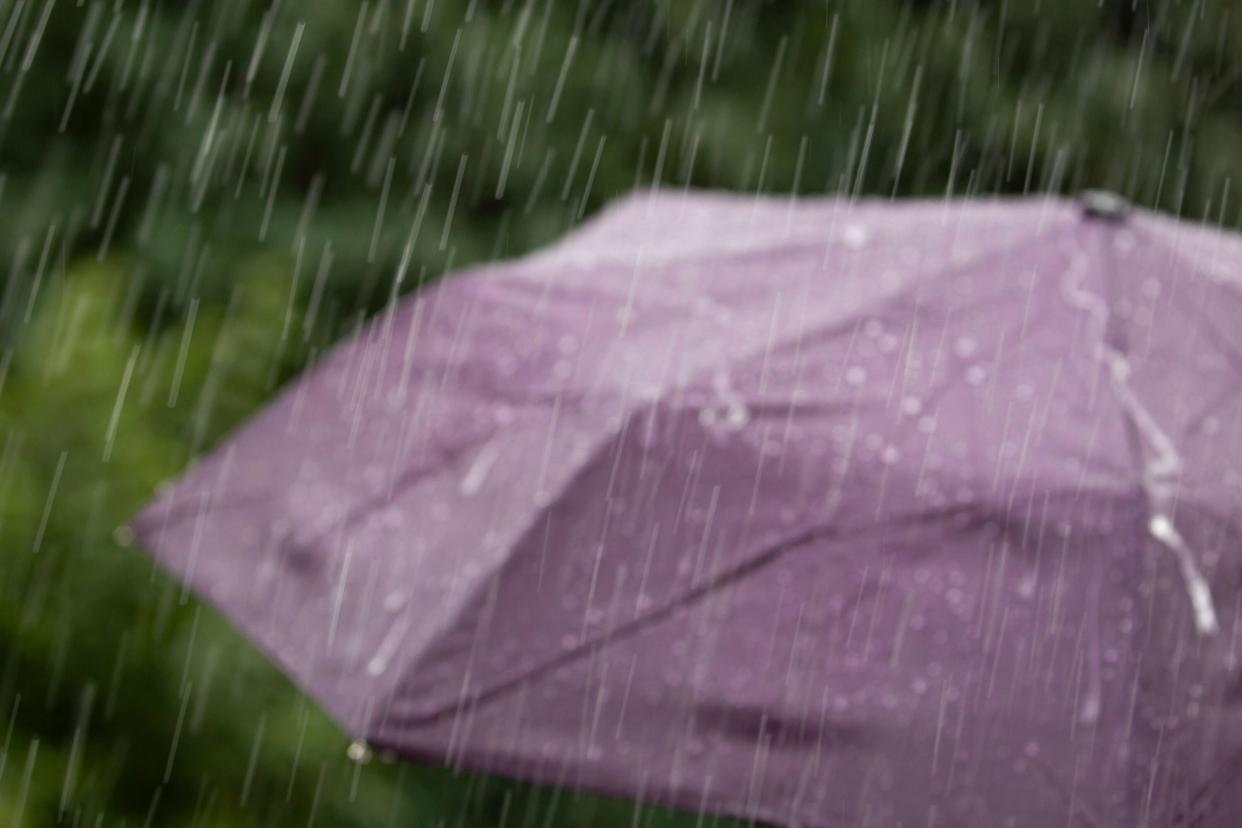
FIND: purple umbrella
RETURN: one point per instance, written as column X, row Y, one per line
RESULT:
column 820, row 512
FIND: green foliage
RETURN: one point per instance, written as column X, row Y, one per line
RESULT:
column 197, row 197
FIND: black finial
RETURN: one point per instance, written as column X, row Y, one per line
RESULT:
column 1102, row 204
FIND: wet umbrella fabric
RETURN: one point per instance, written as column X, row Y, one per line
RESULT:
column 817, row 512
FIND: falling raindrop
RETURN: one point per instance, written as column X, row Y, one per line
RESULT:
column 855, row 235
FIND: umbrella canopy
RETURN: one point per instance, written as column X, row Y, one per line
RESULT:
column 821, row 512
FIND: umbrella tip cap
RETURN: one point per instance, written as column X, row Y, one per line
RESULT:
column 1102, row 204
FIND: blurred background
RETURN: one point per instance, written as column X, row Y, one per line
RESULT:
column 197, row 198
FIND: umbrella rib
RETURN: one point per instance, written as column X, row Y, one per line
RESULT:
column 1001, row 251
column 691, row 595
column 763, row 558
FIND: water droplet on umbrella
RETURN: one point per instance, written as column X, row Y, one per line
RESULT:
column 1026, row 587
column 855, row 235
column 1089, row 712
column 736, row 415
column 502, row 414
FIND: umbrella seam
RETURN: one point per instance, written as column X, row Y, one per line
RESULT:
column 764, row 557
